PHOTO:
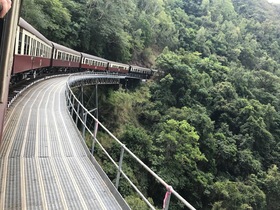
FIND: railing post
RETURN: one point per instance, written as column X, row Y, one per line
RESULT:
column 120, row 167
column 82, row 101
column 69, row 101
column 72, row 111
column 96, row 99
column 166, row 200
column 94, row 137
column 84, row 125
column 77, row 114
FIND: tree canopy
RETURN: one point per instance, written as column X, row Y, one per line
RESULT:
column 209, row 123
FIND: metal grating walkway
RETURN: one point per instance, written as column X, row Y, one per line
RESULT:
column 43, row 162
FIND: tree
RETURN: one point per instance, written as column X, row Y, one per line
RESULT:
column 271, row 188
column 236, row 196
column 176, row 152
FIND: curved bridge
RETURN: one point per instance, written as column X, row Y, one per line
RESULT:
column 45, row 163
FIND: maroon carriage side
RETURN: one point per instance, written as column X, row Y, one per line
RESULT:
column 32, row 49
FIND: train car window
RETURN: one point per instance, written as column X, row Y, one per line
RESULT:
column 33, row 47
column 43, row 50
column 40, row 49
column 20, row 42
column 59, row 56
column 25, row 44
column 47, row 52
column 28, row 45
column 54, row 54
column 37, row 48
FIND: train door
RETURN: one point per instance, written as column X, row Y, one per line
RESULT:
column 8, row 26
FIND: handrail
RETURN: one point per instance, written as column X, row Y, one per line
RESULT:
column 72, row 100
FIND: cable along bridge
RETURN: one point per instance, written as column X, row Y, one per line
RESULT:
column 45, row 163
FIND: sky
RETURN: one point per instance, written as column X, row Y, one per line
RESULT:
column 274, row 1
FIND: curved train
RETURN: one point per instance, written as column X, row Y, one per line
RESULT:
column 25, row 53
column 35, row 54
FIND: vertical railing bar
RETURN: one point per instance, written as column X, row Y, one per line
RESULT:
column 73, row 105
column 94, row 137
column 84, row 125
column 120, row 167
column 167, row 197
column 77, row 114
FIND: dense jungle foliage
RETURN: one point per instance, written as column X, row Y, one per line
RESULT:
column 210, row 123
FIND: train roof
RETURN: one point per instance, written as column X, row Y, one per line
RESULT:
column 23, row 24
column 94, row 57
column 65, row 49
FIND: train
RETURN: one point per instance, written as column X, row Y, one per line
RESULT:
column 26, row 53
column 34, row 54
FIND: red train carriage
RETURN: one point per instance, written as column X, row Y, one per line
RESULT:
column 65, row 57
column 95, row 63
column 118, row 67
column 137, row 70
column 32, row 49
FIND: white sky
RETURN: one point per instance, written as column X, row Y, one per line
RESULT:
column 274, row 1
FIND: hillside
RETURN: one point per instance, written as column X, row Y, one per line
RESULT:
column 210, row 124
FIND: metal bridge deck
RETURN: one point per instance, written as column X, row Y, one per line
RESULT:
column 43, row 162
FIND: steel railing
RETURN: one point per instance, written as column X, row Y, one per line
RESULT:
column 77, row 109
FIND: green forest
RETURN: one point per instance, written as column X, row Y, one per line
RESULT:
column 209, row 123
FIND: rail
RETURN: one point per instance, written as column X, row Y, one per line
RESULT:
column 77, row 109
